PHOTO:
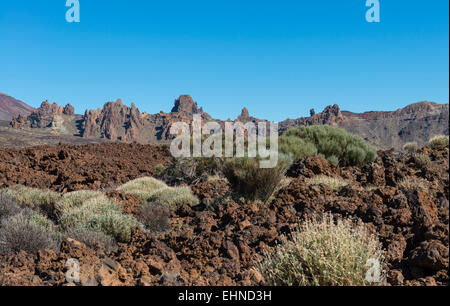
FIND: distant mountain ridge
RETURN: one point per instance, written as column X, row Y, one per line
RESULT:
column 119, row 122
column 10, row 107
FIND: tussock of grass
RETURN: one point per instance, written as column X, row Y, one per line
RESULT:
column 173, row 197
column 90, row 208
column 115, row 225
column 332, row 182
column 422, row 161
column 76, row 199
column 438, row 141
column 411, row 147
column 325, row 253
column 412, row 183
column 32, row 197
column 142, row 187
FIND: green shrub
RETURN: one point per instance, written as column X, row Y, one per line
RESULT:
column 42, row 221
column 32, row 197
column 142, row 187
column 75, row 199
column 18, row 233
column 411, row 147
column 78, row 216
column 325, row 253
column 115, row 225
column 422, row 161
column 173, row 197
column 332, row 182
column 334, row 160
column 439, row 141
column 329, row 141
column 249, row 180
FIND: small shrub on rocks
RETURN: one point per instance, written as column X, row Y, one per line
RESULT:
column 90, row 208
column 332, row 182
column 350, row 149
column 94, row 240
column 115, row 225
column 8, row 207
column 326, row 253
column 411, row 147
column 249, row 180
column 142, row 187
column 76, row 199
column 422, row 161
column 19, row 233
column 439, row 141
column 33, row 198
column 173, row 197
column 155, row 217
column 411, row 184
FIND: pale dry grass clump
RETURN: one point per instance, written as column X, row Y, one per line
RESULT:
column 32, row 197
column 438, row 141
column 326, row 253
column 173, row 197
column 77, row 216
column 332, row 182
column 76, row 199
column 113, row 224
column 422, row 161
column 412, row 184
column 411, row 147
column 143, row 187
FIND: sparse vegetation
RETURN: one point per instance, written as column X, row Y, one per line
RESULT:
column 143, row 187
column 19, row 233
column 422, row 161
column 332, row 182
column 411, row 184
column 411, row 147
column 251, row 181
column 76, row 199
column 113, row 224
column 331, row 142
column 8, row 207
column 326, row 253
column 190, row 170
column 33, row 198
column 94, row 240
column 173, row 197
column 439, row 141
column 155, row 217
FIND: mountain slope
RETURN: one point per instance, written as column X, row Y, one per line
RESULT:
column 10, row 107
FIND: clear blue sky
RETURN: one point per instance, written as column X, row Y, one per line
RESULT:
column 278, row 58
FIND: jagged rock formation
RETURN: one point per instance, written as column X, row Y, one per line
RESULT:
column 42, row 117
column 118, row 122
column 10, row 108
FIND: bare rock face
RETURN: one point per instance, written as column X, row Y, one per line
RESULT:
column 43, row 116
column 185, row 104
column 115, row 121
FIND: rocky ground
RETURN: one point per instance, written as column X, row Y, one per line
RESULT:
column 219, row 241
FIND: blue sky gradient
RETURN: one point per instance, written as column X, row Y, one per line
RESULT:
column 278, row 58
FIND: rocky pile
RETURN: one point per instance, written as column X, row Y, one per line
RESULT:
column 219, row 242
column 67, row 168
